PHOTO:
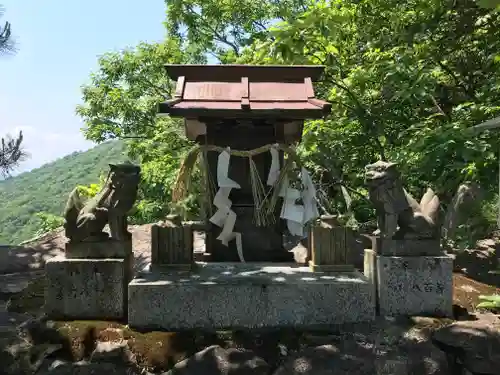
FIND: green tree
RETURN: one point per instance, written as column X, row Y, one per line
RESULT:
column 223, row 29
column 406, row 80
column 48, row 222
column 403, row 85
column 121, row 102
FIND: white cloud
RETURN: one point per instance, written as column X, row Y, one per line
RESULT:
column 45, row 146
column 25, row 129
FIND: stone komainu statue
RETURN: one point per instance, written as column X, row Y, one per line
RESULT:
column 85, row 221
column 399, row 216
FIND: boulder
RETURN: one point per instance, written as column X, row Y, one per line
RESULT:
column 385, row 347
column 216, row 360
column 87, row 368
column 115, row 352
column 473, row 344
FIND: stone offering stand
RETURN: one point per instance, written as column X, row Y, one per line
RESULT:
column 249, row 280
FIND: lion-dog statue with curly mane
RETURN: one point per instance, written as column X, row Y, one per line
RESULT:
column 399, row 215
column 85, row 221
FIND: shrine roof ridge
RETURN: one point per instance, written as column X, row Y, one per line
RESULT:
column 234, row 72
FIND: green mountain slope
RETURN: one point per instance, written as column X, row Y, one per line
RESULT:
column 46, row 189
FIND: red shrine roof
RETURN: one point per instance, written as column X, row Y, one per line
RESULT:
column 284, row 91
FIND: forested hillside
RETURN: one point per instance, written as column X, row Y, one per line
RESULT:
column 46, row 189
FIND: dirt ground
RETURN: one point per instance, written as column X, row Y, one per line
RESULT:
column 466, row 291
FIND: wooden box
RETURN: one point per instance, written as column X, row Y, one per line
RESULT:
column 172, row 245
column 330, row 247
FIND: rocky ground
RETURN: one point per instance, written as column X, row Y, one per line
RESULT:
column 29, row 344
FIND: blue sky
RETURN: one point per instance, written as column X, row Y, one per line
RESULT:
column 58, row 42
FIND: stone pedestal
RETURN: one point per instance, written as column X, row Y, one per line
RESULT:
column 99, row 249
column 87, row 288
column 419, row 285
column 248, row 295
column 408, row 247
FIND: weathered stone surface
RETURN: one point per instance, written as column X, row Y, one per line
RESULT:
column 476, row 344
column 86, row 288
column 370, row 270
column 24, row 347
column 383, row 347
column 19, row 357
column 248, row 295
column 15, row 259
column 86, row 368
column 399, row 215
column 99, row 249
column 112, row 352
column 415, row 285
column 408, row 247
column 215, row 360
column 85, row 220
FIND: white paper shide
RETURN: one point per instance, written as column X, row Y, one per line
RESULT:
column 295, row 214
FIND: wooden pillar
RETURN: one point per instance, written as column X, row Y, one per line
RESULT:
column 330, row 246
column 172, row 244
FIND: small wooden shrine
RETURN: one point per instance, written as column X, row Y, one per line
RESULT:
column 253, row 113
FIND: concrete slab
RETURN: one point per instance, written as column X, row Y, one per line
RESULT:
column 86, row 288
column 420, row 285
column 248, row 295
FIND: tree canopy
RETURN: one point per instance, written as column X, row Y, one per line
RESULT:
column 407, row 79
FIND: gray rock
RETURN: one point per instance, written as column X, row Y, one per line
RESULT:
column 474, row 343
column 116, row 352
column 386, row 347
column 86, row 368
column 215, row 360
column 86, row 288
column 18, row 356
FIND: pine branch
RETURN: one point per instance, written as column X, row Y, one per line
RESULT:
column 11, row 153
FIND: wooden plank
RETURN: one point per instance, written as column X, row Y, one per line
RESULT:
column 179, row 88
column 309, row 87
column 245, row 103
column 277, row 91
column 175, row 245
column 315, row 245
column 245, row 88
column 245, row 93
column 213, row 91
column 339, row 245
column 318, row 102
column 154, row 244
column 295, row 113
column 329, row 246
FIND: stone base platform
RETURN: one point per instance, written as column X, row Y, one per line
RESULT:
column 248, row 295
column 87, row 288
column 411, row 285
